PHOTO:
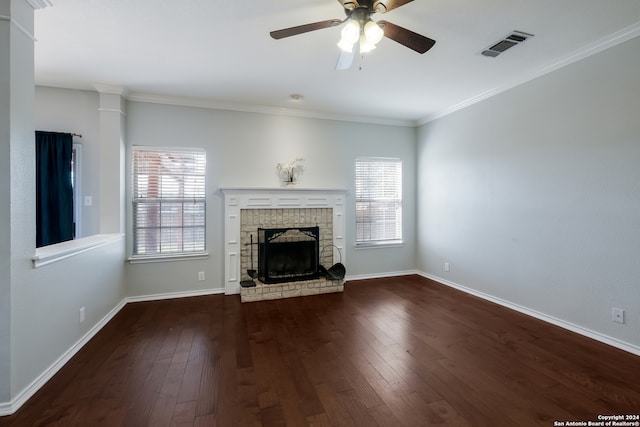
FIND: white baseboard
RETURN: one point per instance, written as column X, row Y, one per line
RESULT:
column 380, row 275
column 171, row 295
column 614, row 342
column 8, row 408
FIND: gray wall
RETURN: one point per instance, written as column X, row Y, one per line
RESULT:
column 242, row 151
column 533, row 196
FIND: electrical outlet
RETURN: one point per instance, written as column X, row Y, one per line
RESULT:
column 618, row 315
column 201, row 275
column 446, row 266
column 82, row 315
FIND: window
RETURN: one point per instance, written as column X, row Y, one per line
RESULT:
column 168, row 201
column 378, row 201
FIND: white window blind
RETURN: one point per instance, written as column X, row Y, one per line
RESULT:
column 168, row 201
column 378, row 201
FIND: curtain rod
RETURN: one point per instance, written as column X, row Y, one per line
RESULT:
column 79, row 135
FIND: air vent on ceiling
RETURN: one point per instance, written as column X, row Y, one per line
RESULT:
column 507, row 42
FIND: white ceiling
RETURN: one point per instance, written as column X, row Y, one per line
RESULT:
column 219, row 53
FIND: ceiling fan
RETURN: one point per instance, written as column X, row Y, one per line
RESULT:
column 361, row 33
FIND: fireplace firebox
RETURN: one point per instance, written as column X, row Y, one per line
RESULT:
column 288, row 254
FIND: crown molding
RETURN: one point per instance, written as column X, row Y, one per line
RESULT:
column 598, row 46
column 261, row 109
column 39, row 4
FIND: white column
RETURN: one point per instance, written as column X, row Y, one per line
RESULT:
column 17, row 165
column 112, row 160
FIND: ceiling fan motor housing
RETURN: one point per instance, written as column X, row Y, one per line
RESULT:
column 360, row 14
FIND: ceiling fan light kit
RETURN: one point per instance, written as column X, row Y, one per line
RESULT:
column 372, row 32
column 350, row 35
column 369, row 36
column 361, row 28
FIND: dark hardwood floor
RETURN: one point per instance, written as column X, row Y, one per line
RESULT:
column 400, row 351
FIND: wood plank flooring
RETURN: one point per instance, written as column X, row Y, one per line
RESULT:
column 395, row 352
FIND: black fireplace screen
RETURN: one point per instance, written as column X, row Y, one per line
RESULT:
column 288, row 254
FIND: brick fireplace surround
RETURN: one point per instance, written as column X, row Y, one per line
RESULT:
column 247, row 209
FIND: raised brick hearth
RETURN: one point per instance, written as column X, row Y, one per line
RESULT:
column 262, row 292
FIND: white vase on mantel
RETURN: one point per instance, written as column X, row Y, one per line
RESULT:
column 290, row 173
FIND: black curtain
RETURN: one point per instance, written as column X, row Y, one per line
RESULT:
column 54, row 190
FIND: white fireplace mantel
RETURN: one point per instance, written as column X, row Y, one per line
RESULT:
column 238, row 198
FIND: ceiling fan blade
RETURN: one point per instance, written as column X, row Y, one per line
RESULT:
column 345, row 60
column 383, row 6
column 288, row 32
column 405, row 37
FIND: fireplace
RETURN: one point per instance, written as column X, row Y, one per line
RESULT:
column 248, row 209
column 288, row 254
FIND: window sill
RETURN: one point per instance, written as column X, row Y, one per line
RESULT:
column 167, row 258
column 54, row 253
column 379, row 245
